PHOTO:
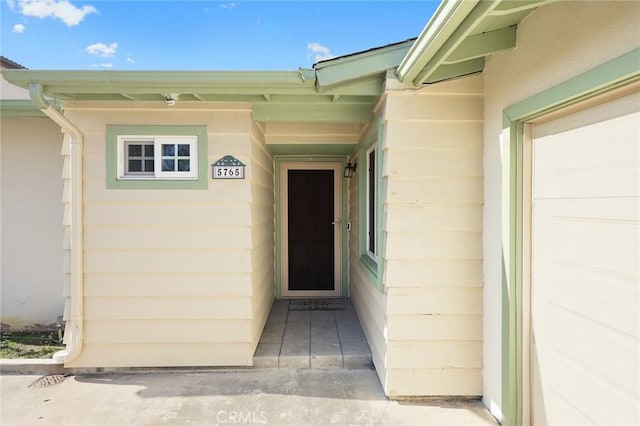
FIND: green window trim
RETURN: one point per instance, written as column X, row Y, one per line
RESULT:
column 373, row 267
column 613, row 74
column 112, row 133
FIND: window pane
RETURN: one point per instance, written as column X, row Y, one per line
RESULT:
column 135, row 165
column 135, row 150
column 372, row 202
column 168, row 165
column 148, row 150
column 183, row 165
column 148, row 165
column 183, row 150
column 168, row 150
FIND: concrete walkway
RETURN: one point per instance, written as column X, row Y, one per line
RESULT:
column 271, row 397
column 312, row 339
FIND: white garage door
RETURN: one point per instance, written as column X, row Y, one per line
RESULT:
column 585, row 279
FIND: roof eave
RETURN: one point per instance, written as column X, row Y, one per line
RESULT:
column 460, row 35
column 370, row 64
column 440, row 27
column 155, row 81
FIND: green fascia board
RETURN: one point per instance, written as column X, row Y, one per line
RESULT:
column 311, row 149
column 164, row 81
column 344, row 70
column 480, row 45
column 155, row 78
column 19, row 108
column 129, row 84
column 449, row 71
column 620, row 71
column 442, row 24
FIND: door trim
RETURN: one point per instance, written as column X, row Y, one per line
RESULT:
column 283, row 164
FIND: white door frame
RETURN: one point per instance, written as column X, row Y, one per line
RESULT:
column 337, row 229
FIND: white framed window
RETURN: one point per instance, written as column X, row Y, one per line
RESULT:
column 371, row 212
column 157, row 157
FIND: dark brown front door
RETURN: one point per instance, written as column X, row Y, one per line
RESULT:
column 311, row 231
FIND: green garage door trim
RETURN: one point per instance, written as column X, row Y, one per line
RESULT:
column 618, row 72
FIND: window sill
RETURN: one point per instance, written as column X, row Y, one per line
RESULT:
column 370, row 265
column 154, row 178
column 157, row 184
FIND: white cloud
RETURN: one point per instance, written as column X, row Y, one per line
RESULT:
column 101, row 49
column 58, row 9
column 105, row 65
column 130, row 60
column 228, row 5
column 318, row 52
column 19, row 28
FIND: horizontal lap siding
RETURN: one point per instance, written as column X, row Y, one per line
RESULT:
column 432, row 164
column 165, row 354
column 167, row 273
column 262, row 233
column 312, row 133
column 368, row 301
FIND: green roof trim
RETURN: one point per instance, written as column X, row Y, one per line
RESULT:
column 22, row 108
column 345, row 69
column 274, row 95
column 463, row 32
column 437, row 31
column 339, row 90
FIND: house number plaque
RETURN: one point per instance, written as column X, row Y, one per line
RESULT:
column 228, row 167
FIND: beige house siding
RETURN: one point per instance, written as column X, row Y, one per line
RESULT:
column 167, row 273
column 312, row 133
column 368, row 302
column 432, row 165
column 262, row 232
column 31, row 259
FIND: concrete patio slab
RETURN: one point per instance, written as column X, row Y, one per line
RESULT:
column 312, row 339
column 269, row 397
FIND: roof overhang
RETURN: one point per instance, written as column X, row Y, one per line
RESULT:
column 460, row 34
column 343, row 89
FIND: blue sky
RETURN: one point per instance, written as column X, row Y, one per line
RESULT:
column 200, row 35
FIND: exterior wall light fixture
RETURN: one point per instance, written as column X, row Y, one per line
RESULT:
column 349, row 170
column 171, row 98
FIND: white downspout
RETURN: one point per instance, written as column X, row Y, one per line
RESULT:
column 75, row 326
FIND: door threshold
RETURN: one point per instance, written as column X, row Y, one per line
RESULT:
column 316, row 305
